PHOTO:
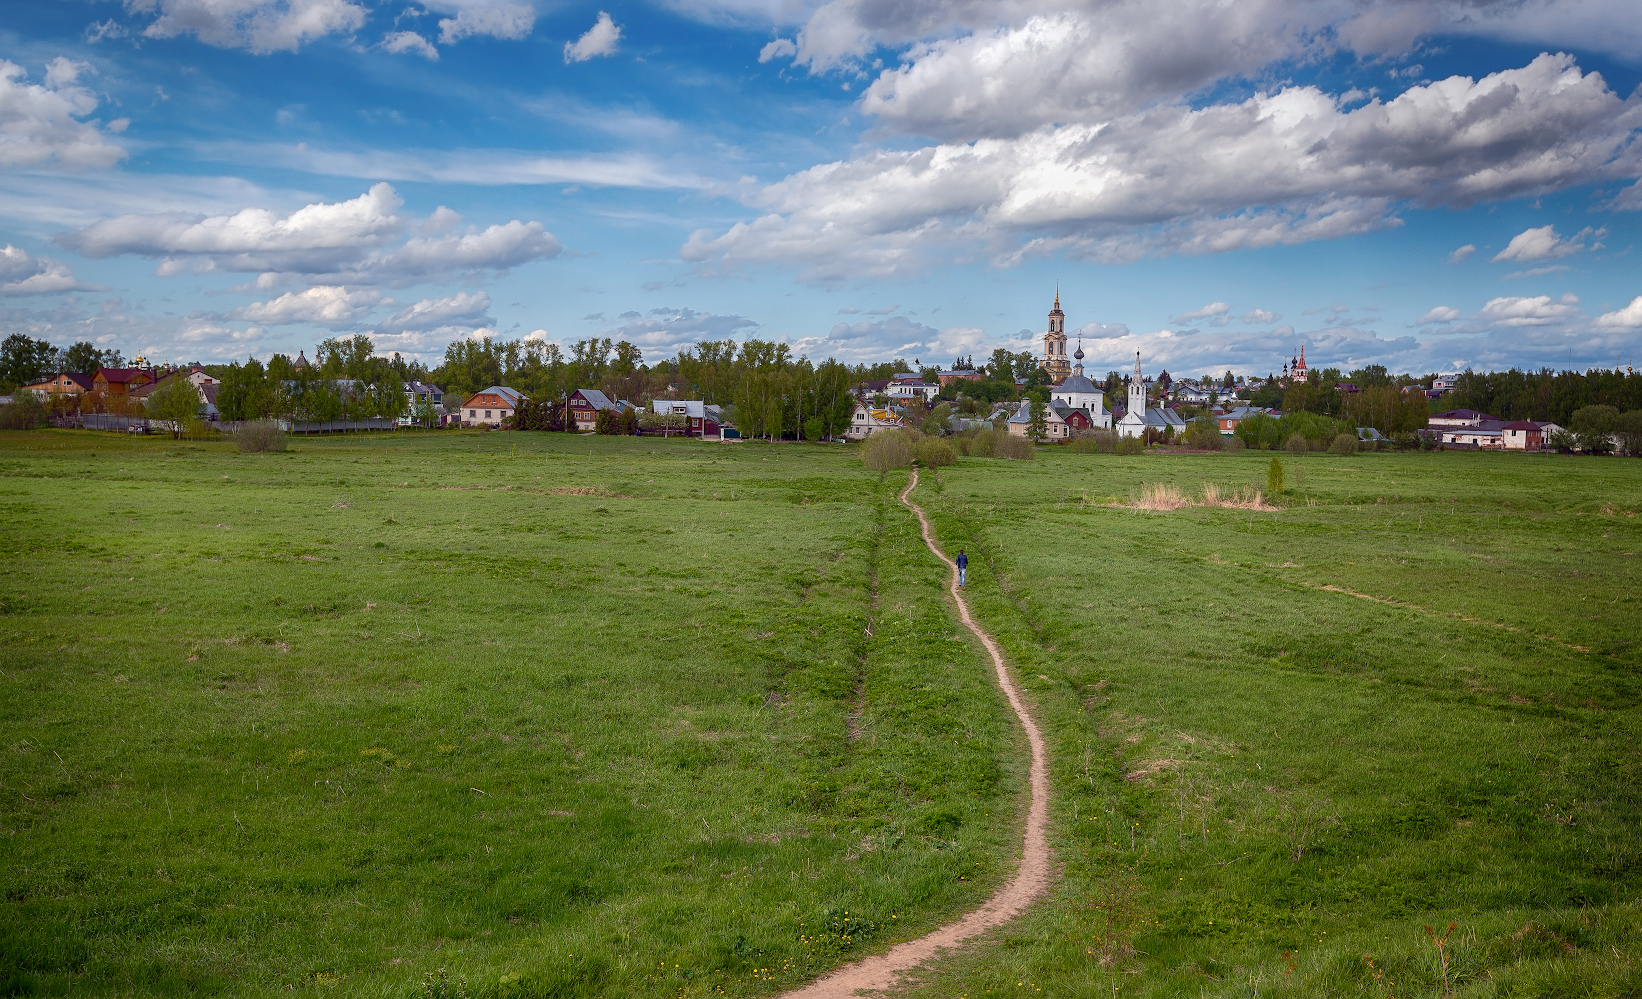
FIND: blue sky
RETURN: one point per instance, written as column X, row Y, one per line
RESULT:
column 1208, row 183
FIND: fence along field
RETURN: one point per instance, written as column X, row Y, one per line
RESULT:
column 614, row 716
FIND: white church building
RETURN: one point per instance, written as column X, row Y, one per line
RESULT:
column 1139, row 419
column 1079, row 403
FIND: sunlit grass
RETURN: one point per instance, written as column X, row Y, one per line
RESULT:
column 603, row 716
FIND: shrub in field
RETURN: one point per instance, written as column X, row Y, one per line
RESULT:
column 260, row 435
column 1094, row 442
column 1235, row 443
column 1343, row 444
column 1204, row 433
column 813, row 428
column 628, row 423
column 1010, row 446
column 1274, row 476
column 1296, row 444
column 1129, row 445
column 23, row 412
column 886, row 449
column 932, row 452
column 980, row 443
column 606, row 422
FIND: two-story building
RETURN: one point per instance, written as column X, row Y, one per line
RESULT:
column 62, row 383
column 489, row 407
column 120, row 381
column 695, row 417
column 586, row 405
column 865, row 420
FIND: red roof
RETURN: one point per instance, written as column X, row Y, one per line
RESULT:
column 1521, row 425
column 121, row 374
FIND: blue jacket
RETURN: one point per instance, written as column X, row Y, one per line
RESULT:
column 963, row 560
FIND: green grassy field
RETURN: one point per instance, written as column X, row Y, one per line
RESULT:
column 605, row 716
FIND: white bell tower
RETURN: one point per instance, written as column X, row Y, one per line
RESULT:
column 1137, row 391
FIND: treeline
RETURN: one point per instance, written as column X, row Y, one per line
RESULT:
column 24, row 359
column 769, row 392
column 345, row 381
column 1544, row 395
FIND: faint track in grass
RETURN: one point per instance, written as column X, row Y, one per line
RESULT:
column 1031, row 879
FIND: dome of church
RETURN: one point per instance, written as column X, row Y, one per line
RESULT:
column 1078, row 354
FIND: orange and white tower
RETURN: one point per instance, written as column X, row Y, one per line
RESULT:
column 1054, row 345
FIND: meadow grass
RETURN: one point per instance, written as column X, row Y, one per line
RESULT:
column 560, row 715
column 1407, row 698
column 603, row 716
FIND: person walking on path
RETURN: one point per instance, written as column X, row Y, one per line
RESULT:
column 963, row 566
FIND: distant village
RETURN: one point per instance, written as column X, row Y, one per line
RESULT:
column 718, row 392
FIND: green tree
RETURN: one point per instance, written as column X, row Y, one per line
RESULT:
column 86, row 358
column 1629, row 429
column 387, row 397
column 1037, row 423
column 1594, row 427
column 23, row 360
column 938, row 418
column 177, row 402
column 1274, row 476
column 237, row 391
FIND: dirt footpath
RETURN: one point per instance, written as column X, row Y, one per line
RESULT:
column 1031, row 878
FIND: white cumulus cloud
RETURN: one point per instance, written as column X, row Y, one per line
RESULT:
column 1261, row 316
column 409, row 41
column 1217, row 310
column 502, row 20
column 24, row 274
column 1539, row 310
column 41, row 126
column 354, row 242
column 1192, row 180
column 1543, row 243
column 1630, row 317
column 777, row 49
column 322, row 305
column 262, row 26
column 599, row 40
column 1462, row 253
column 1439, row 314
column 462, row 309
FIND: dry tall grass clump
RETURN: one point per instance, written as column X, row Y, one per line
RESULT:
column 1164, row 496
column 260, row 435
column 1160, row 496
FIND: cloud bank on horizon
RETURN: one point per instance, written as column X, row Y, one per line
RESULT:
column 704, row 169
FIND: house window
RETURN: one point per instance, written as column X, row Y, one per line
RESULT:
column 472, row 413
column 487, row 414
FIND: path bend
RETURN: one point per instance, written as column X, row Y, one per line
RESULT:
column 1031, row 878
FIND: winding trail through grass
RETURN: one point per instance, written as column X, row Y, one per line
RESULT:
column 1031, row 878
